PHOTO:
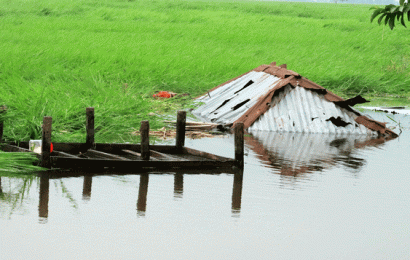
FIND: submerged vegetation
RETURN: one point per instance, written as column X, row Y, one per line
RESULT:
column 59, row 57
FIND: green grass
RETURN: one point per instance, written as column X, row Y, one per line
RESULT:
column 59, row 57
column 17, row 164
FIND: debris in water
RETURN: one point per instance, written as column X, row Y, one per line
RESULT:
column 392, row 110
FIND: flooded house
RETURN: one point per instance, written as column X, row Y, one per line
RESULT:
column 273, row 98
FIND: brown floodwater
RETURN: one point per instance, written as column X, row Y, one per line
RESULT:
column 302, row 196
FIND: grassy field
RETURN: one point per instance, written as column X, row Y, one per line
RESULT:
column 59, row 57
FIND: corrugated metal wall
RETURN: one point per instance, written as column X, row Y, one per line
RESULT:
column 304, row 111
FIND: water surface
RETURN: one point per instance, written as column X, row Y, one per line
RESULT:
column 301, row 197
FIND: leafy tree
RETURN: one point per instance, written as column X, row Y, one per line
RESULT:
column 391, row 14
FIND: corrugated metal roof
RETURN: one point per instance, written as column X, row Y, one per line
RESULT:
column 273, row 98
column 227, row 104
column 300, row 110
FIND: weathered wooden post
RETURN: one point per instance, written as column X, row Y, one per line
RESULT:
column 239, row 145
column 144, row 131
column 46, row 143
column 90, row 127
column 180, row 132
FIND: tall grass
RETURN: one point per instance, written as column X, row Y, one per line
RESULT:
column 58, row 57
column 17, row 163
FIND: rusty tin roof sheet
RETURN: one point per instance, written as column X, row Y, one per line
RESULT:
column 249, row 96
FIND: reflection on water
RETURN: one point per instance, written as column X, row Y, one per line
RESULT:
column 237, row 194
column 44, row 196
column 219, row 214
column 14, row 194
column 292, row 154
column 43, row 210
column 178, row 185
column 142, row 195
column 88, row 181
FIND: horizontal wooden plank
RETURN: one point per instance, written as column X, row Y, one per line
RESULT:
column 63, row 162
column 63, row 154
column 109, row 148
column 74, row 148
column 166, row 157
column 116, row 148
column 205, row 155
column 99, row 154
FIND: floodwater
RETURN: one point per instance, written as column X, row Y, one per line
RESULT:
column 301, row 197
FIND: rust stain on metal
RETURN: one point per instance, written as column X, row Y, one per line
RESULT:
column 293, row 79
column 262, row 105
column 375, row 125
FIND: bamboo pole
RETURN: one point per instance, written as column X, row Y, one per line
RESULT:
column 90, row 127
column 144, row 130
column 180, row 131
column 239, row 145
column 46, row 143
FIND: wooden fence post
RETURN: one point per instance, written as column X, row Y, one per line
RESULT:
column 239, row 145
column 144, row 131
column 90, row 127
column 180, row 132
column 46, row 143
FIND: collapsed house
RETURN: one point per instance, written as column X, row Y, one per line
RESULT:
column 273, row 98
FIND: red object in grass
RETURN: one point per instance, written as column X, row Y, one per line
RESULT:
column 51, row 147
column 164, row 94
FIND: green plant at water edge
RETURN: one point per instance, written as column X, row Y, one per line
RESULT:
column 398, row 124
column 18, row 163
column 391, row 13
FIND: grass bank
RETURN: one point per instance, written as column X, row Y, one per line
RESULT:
column 58, row 57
